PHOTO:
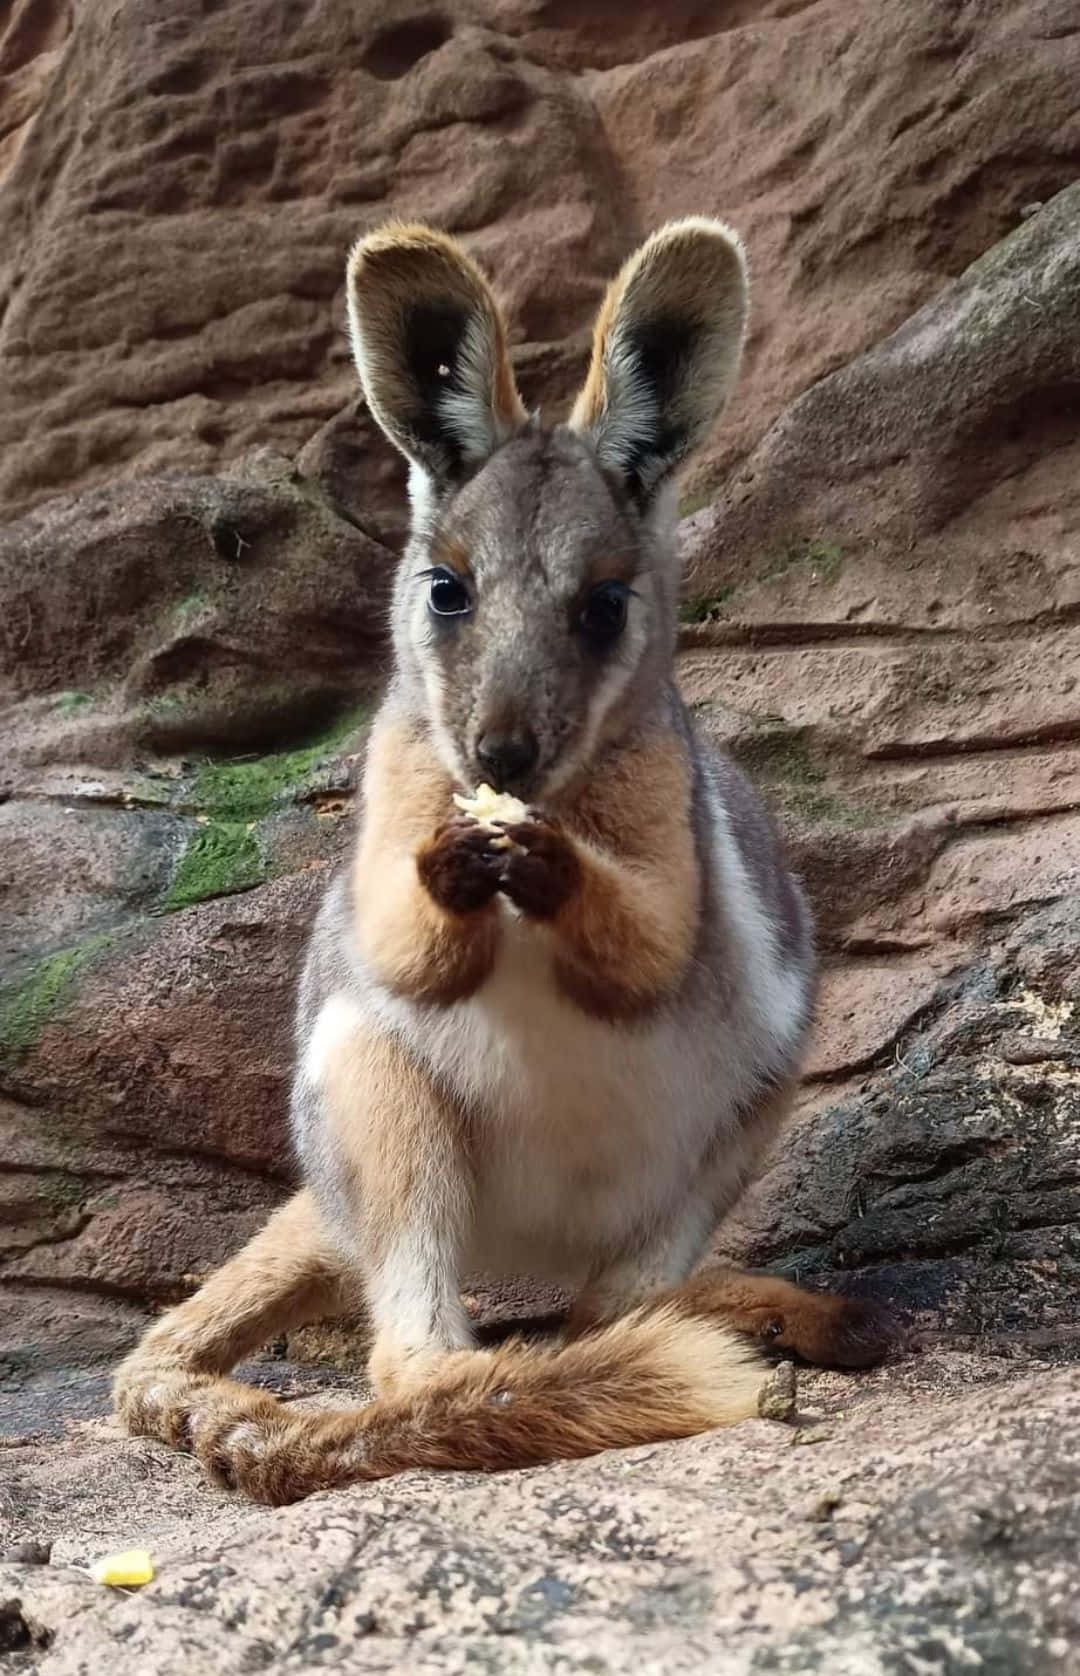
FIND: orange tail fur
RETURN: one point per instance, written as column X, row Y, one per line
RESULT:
column 654, row 1374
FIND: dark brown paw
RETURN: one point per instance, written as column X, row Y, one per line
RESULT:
column 831, row 1330
column 459, row 868
column 542, row 871
column 862, row 1333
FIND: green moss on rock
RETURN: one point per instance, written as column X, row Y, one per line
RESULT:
column 781, row 754
column 780, row 761
column 705, row 609
column 189, row 608
column 245, row 789
column 695, row 499
column 26, row 1007
column 60, row 1191
column 74, row 703
column 822, row 557
column 221, row 859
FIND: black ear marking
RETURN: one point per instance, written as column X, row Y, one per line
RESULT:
column 662, row 349
column 432, row 339
column 666, row 349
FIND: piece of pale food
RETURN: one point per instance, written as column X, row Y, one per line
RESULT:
column 493, row 809
column 124, row 1571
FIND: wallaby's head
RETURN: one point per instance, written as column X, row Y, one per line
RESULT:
column 535, row 608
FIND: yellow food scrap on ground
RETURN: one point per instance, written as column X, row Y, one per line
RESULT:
column 124, row 1571
column 488, row 806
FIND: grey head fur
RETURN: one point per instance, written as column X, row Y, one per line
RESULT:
column 534, row 609
column 534, row 535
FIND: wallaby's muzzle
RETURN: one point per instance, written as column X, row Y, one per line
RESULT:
column 506, row 757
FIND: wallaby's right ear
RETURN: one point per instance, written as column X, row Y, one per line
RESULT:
column 430, row 347
column 666, row 352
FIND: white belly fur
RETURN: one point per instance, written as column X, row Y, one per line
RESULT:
column 590, row 1131
column 587, row 1132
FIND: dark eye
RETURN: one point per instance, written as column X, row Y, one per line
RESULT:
column 449, row 596
column 604, row 616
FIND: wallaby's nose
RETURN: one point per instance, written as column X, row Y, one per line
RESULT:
column 507, row 757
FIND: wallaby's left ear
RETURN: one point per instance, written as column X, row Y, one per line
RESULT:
column 666, row 352
column 430, row 347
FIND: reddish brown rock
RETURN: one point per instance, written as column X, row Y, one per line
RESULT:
column 884, row 594
column 865, row 1006
column 925, row 1514
column 928, row 485
column 32, row 41
column 185, row 613
column 172, row 238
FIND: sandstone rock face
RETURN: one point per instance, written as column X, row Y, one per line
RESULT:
column 931, row 1524
column 176, row 206
column 882, row 583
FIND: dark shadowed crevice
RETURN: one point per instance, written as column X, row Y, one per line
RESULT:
column 394, row 51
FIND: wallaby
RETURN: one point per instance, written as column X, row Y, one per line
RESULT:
column 555, row 1048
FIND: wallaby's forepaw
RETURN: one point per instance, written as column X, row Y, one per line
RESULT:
column 460, row 867
column 542, row 870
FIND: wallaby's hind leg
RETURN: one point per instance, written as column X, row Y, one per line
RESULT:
column 291, row 1272
column 818, row 1327
column 672, row 1251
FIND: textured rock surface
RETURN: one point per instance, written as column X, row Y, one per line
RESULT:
column 186, row 613
column 172, row 230
column 883, row 580
column 930, row 1526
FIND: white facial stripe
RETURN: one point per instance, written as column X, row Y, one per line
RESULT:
column 431, row 675
column 617, row 677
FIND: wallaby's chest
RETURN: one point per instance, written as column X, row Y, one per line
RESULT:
column 584, row 1130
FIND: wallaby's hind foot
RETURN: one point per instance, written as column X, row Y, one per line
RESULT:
column 654, row 1375
column 290, row 1273
column 177, row 1407
column 244, row 1439
column 821, row 1327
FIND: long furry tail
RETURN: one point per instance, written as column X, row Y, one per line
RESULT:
column 653, row 1375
